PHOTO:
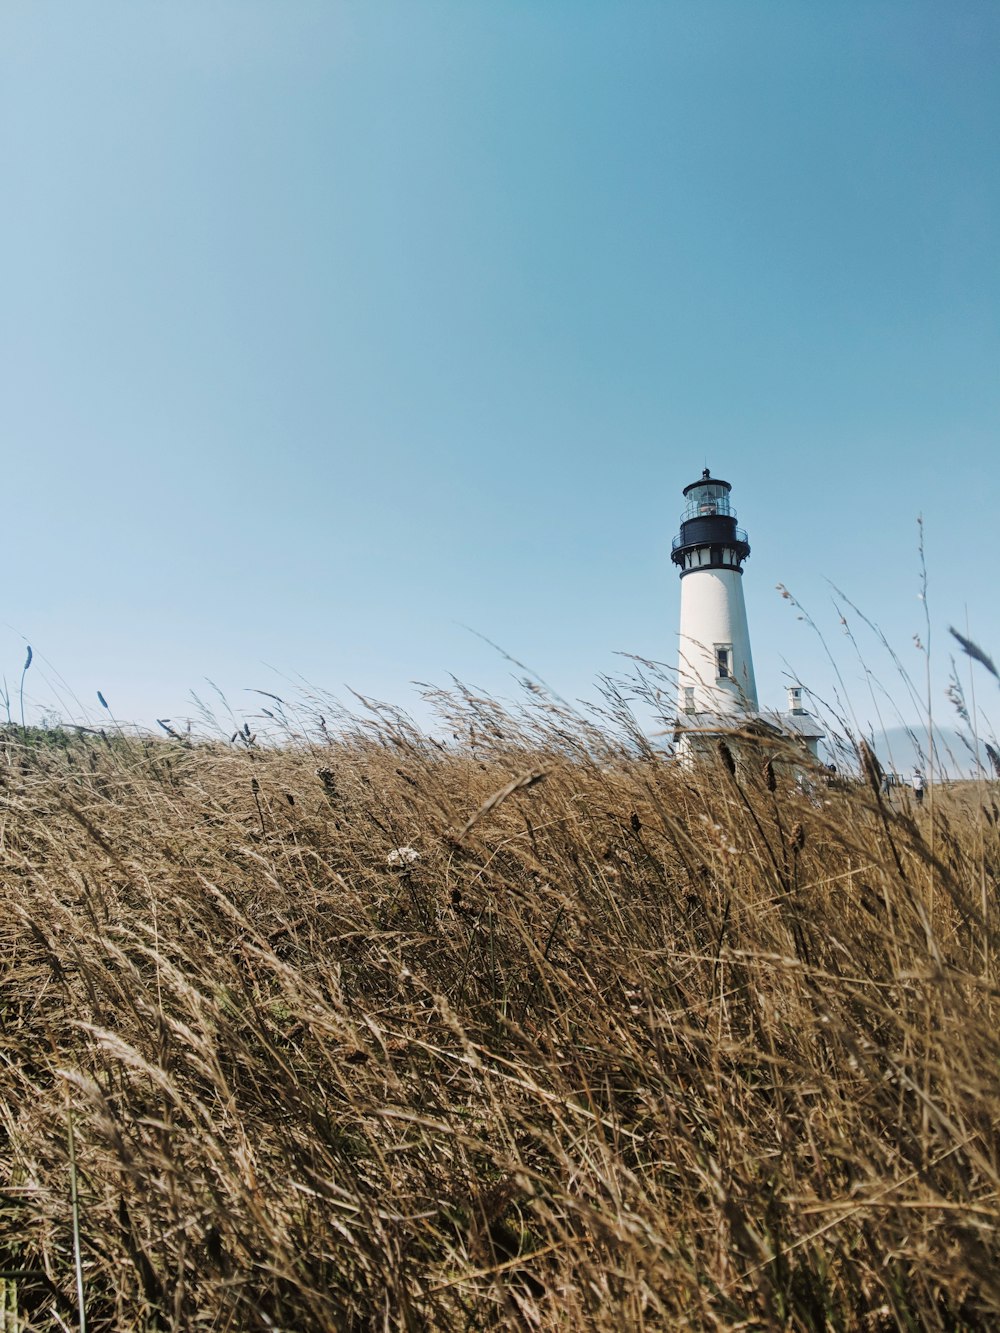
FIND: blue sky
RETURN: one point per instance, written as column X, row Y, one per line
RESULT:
column 332, row 332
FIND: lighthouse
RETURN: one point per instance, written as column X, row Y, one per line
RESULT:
column 717, row 689
column 715, row 676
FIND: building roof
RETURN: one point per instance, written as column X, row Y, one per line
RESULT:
column 801, row 726
column 706, row 479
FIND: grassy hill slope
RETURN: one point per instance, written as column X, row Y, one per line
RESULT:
column 620, row 1046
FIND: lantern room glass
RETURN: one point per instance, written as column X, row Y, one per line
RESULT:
column 707, row 499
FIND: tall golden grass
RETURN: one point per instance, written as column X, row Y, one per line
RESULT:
column 626, row 1046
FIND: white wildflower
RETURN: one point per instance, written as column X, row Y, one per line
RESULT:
column 402, row 856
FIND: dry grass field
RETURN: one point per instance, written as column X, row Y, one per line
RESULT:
column 623, row 1046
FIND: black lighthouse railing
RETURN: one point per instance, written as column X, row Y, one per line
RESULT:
column 709, row 523
column 692, row 534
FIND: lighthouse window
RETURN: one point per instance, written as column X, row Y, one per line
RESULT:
column 707, row 500
column 723, row 660
column 689, row 698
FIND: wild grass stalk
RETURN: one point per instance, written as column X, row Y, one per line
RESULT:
column 636, row 1045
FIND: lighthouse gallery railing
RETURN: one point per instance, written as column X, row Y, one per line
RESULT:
column 741, row 536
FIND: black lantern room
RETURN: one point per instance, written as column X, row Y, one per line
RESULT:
column 709, row 537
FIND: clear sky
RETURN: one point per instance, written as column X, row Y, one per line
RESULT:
column 331, row 332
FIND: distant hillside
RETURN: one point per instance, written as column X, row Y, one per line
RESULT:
column 901, row 750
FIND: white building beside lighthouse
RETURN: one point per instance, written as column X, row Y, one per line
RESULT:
column 717, row 690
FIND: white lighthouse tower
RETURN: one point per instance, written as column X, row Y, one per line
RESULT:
column 715, row 675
